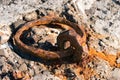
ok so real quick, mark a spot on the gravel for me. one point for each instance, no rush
(102, 16)
(18, 8)
(46, 75)
(31, 16)
(103, 69)
(5, 33)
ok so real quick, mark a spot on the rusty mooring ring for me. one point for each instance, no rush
(49, 54)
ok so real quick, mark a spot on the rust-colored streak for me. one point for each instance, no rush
(79, 35)
(110, 58)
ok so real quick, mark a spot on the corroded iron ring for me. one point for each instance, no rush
(44, 53)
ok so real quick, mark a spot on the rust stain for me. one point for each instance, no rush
(110, 58)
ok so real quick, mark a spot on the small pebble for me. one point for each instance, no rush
(23, 67)
(18, 23)
(18, 75)
(6, 67)
(31, 71)
(2, 53)
(36, 68)
(46, 75)
(32, 63)
(30, 16)
(5, 33)
(20, 61)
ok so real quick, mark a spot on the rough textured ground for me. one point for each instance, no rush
(101, 16)
(104, 19)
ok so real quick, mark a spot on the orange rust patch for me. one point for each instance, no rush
(85, 72)
(110, 58)
(88, 73)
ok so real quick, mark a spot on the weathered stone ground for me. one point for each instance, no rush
(102, 17)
